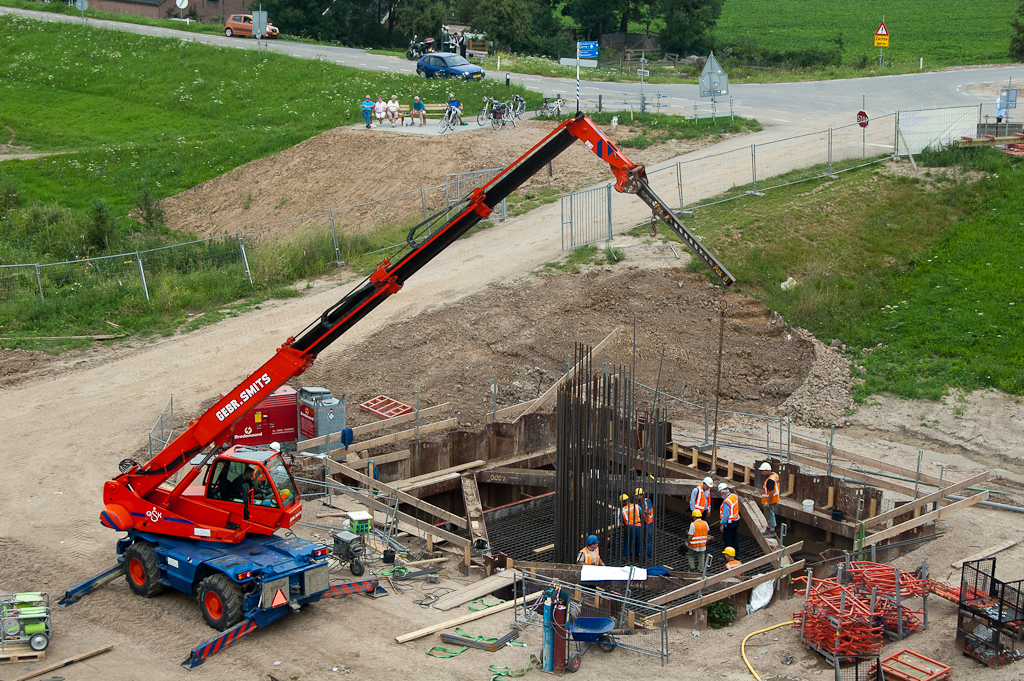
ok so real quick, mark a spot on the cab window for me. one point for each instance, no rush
(230, 480)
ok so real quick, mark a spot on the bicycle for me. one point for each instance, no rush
(518, 107)
(485, 113)
(552, 108)
(449, 121)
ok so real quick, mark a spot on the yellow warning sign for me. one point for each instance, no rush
(882, 36)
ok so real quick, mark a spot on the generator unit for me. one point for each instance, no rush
(275, 419)
(320, 414)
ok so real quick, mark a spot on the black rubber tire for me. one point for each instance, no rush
(219, 589)
(572, 665)
(481, 118)
(142, 569)
(357, 568)
(38, 642)
(606, 643)
(497, 123)
(227, 32)
(519, 107)
(410, 55)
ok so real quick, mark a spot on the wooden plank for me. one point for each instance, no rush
(471, 592)
(756, 522)
(421, 525)
(700, 585)
(474, 508)
(402, 435)
(852, 474)
(518, 476)
(514, 409)
(523, 460)
(64, 663)
(734, 589)
(447, 624)
(990, 551)
(380, 460)
(924, 519)
(372, 427)
(427, 477)
(546, 397)
(929, 499)
(865, 460)
(437, 512)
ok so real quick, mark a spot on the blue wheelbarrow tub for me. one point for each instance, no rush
(590, 629)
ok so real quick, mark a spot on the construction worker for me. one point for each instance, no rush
(769, 494)
(589, 554)
(700, 497)
(647, 512)
(633, 520)
(729, 515)
(730, 558)
(697, 543)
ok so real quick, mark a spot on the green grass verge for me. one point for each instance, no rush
(925, 274)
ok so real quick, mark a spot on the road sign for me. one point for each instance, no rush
(1008, 97)
(862, 119)
(643, 72)
(588, 44)
(81, 5)
(882, 36)
(588, 54)
(587, 49)
(713, 81)
(182, 4)
(259, 23)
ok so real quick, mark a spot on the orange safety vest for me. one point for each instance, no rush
(631, 515)
(700, 535)
(733, 503)
(703, 500)
(732, 563)
(649, 512)
(773, 496)
(589, 557)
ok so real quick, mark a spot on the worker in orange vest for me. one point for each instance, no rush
(730, 515)
(697, 543)
(700, 497)
(632, 518)
(769, 494)
(730, 558)
(590, 554)
(647, 515)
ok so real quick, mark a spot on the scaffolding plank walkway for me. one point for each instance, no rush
(471, 592)
(923, 519)
(474, 508)
(434, 628)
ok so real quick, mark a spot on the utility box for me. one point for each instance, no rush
(320, 414)
(274, 419)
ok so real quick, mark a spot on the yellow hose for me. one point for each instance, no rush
(743, 652)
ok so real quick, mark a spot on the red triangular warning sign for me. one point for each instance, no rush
(882, 30)
(279, 599)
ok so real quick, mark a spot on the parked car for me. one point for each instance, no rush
(241, 24)
(447, 65)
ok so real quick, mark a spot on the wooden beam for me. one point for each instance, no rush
(523, 460)
(925, 500)
(514, 409)
(371, 427)
(421, 525)
(447, 624)
(64, 663)
(990, 551)
(435, 511)
(380, 460)
(517, 476)
(865, 460)
(703, 584)
(402, 435)
(474, 508)
(427, 477)
(756, 523)
(734, 589)
(471, 592)
(859, 476)
(924, 519)
(546, 397)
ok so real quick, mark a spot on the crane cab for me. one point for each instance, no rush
(253, 483)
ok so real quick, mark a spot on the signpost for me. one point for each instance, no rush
(81, 6)
(182, 4)
(586, 49)
(862, 119)
(882, 42)
(713, 82)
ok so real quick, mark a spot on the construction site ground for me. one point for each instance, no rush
(479, 311)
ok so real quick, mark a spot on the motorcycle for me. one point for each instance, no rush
(418, 49)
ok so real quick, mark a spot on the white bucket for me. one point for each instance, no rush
(808, 505)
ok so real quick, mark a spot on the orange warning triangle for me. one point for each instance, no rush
(279, 599)
(882, 30)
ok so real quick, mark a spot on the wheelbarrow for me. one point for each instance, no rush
(585, 632)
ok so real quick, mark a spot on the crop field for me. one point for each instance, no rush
(943, 32)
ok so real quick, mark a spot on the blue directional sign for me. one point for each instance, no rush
(587, 49)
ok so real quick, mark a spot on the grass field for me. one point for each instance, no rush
(926, 274)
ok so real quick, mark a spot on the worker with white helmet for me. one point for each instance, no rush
(729, 515)
(632, 518)
(700, 497)
(590, 554)
(769, 494)
(697, 543)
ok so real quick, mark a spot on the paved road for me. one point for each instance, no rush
(812, 104)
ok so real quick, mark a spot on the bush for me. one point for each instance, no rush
(99, 227)
(149, 209)
(720, 614)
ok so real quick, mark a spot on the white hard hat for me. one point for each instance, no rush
(765, 466)
(709, 482)
(276, 446)
(722, 487)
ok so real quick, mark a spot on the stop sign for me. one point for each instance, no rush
(862, 119)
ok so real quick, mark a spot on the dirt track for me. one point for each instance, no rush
(474, 313)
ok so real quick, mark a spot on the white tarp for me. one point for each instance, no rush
(760, 596)
(604, 573)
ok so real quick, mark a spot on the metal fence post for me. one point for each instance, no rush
(39, 282)
(831, 437)
(679, 183)
(608, 200)
(599, 103)
(830, 151)
(334, 235)
(562, 206)
(142, 274)
(245, 260)
(504, 210)
(896, 134)
(753, 167)
(423, 200)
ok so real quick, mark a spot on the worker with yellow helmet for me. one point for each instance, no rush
(697, 543)
(647, 515)
(632, 519)
(730, 558)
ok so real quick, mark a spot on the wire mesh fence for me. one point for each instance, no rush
(163, 428)
(20, 283)
(917, 130)
(790, 160)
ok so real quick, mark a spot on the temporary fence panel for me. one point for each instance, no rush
(458, 186)
(20, 283)
(854, 146)
(586, 217)
(163, 428)
(715, 178)
(917, 130)
(109, 275)
(790, 160)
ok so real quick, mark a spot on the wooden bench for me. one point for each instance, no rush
(431, 109)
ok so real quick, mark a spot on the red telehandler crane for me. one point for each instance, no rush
(216, 540)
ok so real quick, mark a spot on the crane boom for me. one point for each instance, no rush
(135, 497)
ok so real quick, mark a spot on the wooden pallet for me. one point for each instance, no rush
(20, 652)
(385, 407)
(906, 665)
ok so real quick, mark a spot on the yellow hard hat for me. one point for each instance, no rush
(639, 491)
(624, 497)
(696, 514)
(730, 551)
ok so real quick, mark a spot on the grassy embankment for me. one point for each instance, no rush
(926, 273)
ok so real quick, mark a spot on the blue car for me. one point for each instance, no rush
(447, 65)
